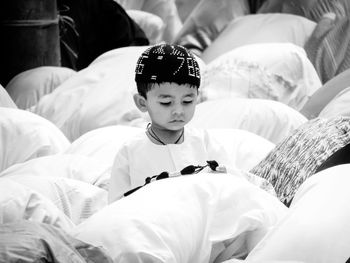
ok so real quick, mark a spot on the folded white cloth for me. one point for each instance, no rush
(5, 99)
(180, 220)
(316, 227)
(275, 71)
(29, 86)
(151, 24)
(76, 199)
(269, 119)
(97, 96)
(25, 135)
(165, 9)
(19, 202)
(260, 28)
(72, 166)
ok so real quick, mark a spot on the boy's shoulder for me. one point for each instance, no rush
(134, 141)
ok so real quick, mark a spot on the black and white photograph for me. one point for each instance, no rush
(175, 131)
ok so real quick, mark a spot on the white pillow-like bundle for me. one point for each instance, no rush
(18, 202)
(151, 24)
(102, 144)
(76, 199)
(165, 9)
(73, 166)
(316, 228)
(260, 28)
(97, 96)
(245, 149)
(181, 219)
(5, 99)
(338, 106)
(25, 136)
(269, 119)
(276, 71)
(29, 86)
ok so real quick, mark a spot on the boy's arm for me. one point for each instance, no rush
(119, 182)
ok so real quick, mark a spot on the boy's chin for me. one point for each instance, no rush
(176, 126)
(173, 127)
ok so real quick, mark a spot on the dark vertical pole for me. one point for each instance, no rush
(29, 36)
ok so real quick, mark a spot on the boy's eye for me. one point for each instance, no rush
(165, 103)
(187, 101)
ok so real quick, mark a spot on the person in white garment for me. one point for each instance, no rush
(167, 78)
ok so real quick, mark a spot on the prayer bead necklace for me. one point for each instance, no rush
(155, 136)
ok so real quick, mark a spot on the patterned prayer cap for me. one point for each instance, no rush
(167, 63)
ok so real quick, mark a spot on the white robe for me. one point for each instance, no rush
(139, 158)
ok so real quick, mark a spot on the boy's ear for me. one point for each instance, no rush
(140, 102)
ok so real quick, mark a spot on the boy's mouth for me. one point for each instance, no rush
(176, 121)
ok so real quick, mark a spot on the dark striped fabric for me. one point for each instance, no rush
(311, 9)
(341, 8)
(198, 40)
(299, 155)
(328, 48)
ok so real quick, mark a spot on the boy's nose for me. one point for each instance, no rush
(178, 110)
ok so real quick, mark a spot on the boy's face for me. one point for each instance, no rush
(171, 106)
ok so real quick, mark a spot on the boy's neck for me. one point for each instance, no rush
(164, 137)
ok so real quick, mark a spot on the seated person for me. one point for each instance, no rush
(89, 28)
(167, 78)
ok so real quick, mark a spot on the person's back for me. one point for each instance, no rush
(90, 28)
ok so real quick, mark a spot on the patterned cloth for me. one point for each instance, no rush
(341, 8)
(328, 48)
(300, 155)
(197, 41)
(311, 9)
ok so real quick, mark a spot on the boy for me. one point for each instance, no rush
(167, 78)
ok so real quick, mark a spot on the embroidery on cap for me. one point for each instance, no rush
(159, 50)
(190, 66)
(181, 64)
(140, 66)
